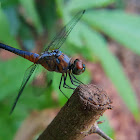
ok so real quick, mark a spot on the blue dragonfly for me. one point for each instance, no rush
(52, 59)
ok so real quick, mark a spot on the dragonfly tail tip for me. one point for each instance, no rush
(11, 111)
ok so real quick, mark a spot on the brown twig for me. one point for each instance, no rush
(79, 115)
(96, 129)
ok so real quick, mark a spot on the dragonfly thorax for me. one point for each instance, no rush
(55, 61)
(77, 67)
(50, 54)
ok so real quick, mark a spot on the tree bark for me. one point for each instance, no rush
(78, 115)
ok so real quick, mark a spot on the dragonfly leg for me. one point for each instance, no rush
(77, 79)
(65, 85)
(60, 86)
(73, 81)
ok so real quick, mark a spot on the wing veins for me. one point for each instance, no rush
(28, 73)
(61, 36)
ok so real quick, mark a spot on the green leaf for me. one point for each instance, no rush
(31, 13)
(13, 19)
(122, 27)
(8, 3)
(75, 36)
(112, 67)
(86, 4)
(9, 123)
(5, 35)
(12, 73)
(7, 126)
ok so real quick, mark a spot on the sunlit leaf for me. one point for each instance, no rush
(86, 4)
(122, 27)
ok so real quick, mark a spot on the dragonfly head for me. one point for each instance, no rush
(78, 67)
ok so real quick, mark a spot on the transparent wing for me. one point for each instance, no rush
(27, 76)
(60, 38)
(42, 83)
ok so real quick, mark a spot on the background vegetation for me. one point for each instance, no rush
(30, 25)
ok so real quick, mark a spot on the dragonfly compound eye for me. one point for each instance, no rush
(78, 67)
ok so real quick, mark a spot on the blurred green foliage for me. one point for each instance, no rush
(86, 38)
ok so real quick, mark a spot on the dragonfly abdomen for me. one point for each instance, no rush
(33, 57)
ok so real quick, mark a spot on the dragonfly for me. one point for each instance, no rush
(52, 59)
